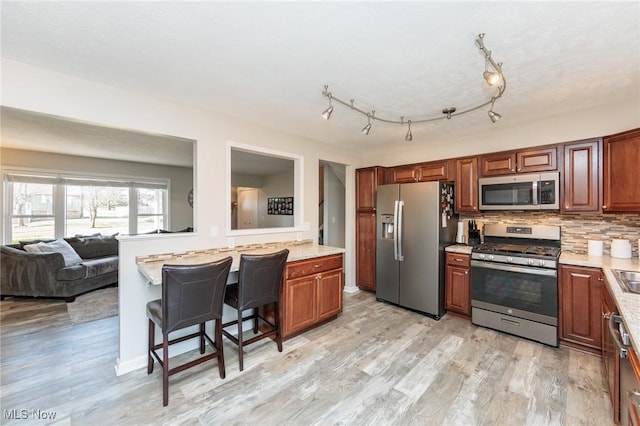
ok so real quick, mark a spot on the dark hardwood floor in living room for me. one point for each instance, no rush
(375, 364)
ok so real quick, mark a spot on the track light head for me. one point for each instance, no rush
(326, 114)
(366, 129)
(408, 137)
(494, 116)
(491, 77)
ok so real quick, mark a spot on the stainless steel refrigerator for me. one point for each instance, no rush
(415, 222)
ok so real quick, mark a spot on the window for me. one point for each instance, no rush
(151, 204)
(48, 207)
(32, 212)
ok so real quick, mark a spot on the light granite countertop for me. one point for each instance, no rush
(628, 303)
(151, 266)
(459, 248)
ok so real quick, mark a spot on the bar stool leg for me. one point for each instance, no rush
(240, 350)
(165, 370)
(152, 343)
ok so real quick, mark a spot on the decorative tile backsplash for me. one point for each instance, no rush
(576, 230)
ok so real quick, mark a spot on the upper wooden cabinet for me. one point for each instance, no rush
(466, 190)
(367, 181)
(506, 163)
(423, 172)
(622, 172)
(581, 182)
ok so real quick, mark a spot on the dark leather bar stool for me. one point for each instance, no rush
(191, 294)
(259, 284)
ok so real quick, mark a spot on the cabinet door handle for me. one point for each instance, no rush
(604, 206)
(606, 315)
(457, 259)
(466, 272)
(317, 266)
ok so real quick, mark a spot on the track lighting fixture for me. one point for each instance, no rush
(491, 76)
(448, 112)
(408, 136)
(326, 114)
(367, 128)
(494, 116)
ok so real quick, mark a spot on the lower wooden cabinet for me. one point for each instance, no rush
(312, 293)
(458, 284)
(580, 307)
(610, 358)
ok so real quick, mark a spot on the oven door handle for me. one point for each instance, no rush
(518, 269)
(616, 319)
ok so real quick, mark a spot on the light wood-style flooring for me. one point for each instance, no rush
(375, 365)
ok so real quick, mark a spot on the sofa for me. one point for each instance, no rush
(62, 268)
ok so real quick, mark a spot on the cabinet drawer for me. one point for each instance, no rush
(313, 266)
(457, 259)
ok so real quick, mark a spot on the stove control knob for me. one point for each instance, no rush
(541, 262)
(531, 261)
(481, 255)
(509, 259)
(490, 257)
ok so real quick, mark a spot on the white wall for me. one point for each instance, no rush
(36, 89)
(40, 90)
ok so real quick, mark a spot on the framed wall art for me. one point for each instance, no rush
(280, 205)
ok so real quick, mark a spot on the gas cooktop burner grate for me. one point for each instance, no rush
(517, 249)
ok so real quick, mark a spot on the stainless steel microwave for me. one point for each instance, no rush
(528, 191)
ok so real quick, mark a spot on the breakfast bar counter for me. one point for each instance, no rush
(312, 271)
(151, 266)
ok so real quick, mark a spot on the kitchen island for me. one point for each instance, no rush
(312, 272)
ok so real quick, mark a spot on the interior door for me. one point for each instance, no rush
(247, 208)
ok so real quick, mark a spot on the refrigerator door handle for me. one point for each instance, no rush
(400, 230)
(396, 208)
(535, 192)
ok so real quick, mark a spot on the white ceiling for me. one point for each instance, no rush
(267, 62)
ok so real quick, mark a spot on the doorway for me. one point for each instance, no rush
(331, 204)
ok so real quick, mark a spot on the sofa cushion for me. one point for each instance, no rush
(71, 273)
(99, 266)
(71, 257)
(91, 247)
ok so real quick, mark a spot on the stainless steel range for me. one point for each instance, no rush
(514, 281)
